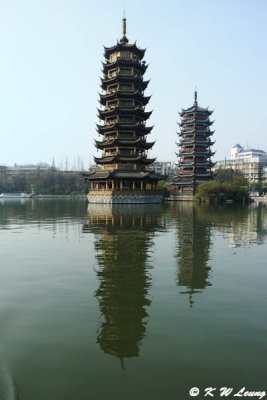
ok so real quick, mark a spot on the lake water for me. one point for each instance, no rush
(134, 302)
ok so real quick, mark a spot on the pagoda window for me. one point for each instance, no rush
(126, 87)
(202, 117)
(129, 118)
(125, 151)
(125, 166)
(126, 71)
(188, 117)
(126, 55)
(126, 134)
(126, 103)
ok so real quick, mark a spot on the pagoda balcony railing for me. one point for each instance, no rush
(188, 159)
(122, 88)
(126, 120)
(130, 123)
(128, 104)
(117, 166)
(131, 75)
(197, 132)
(120, 120)
(195, 117)
(119, 136)
(194, 129)
(186, 150)
(189, 151)
(195, 160)
(131, 105)
(125, 190)
(123, 153)
(121, 105)
(125, 56)
(193, 154)
(122, 55)
(130, 136)
(195, 140)
(121, 72)
(197, 151)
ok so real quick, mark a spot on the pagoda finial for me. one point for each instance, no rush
(123, 34)
(195, 103)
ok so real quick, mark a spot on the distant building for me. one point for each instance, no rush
(235, 150)
(166, 168)
(29, 169)
(238, 152)
(3, 170)
(251, 162)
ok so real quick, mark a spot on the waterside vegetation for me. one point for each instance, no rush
(228, 186)
(51, 182)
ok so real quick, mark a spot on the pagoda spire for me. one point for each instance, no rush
(195, 95)
(123, 33)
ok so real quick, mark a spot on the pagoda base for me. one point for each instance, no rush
(116, 197)
(181, 196)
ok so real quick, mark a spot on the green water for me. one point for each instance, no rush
(137, 302)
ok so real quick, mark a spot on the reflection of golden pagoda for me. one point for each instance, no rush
(123, 238)
(192, 250)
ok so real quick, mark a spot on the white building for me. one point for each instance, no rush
(238, 152)
(251, 162)
(163, 167)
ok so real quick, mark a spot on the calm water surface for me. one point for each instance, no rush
(134, 302)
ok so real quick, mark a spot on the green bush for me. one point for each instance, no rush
(165, 188)
(221, 192)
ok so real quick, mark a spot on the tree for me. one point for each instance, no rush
(229, 175)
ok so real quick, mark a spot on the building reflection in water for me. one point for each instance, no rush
(193, 249)
(242, 226)
(123, 243)
(250, 228)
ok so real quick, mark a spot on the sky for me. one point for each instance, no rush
(51, 54)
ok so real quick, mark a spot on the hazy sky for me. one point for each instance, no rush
(51, 53)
